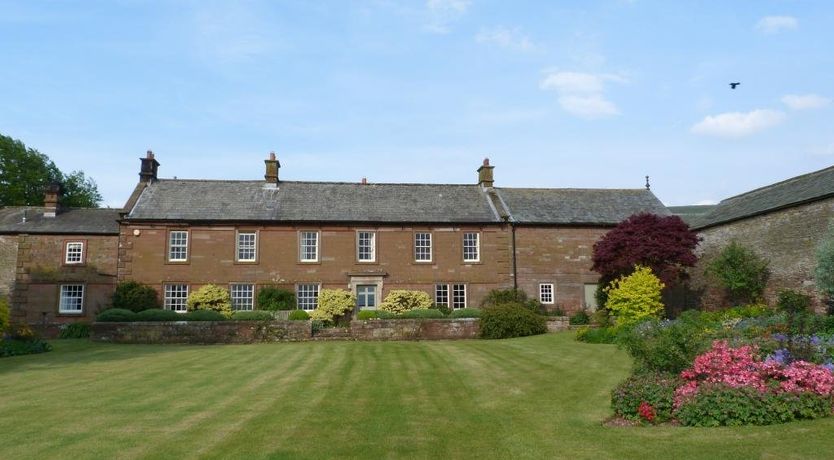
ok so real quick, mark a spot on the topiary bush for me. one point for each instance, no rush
(507, 296)
(510, 320)
(74, 331)
(367, 314)
(466, 313)
(656, 389)
(204, 315)
(401, 300)
(254, 315)
(5, 315)
(130, 295)
(636, 297)
(422, 314)
(273, 298)
(210, 297)
(299, 315)
(741, 272)
(116, 315)
(158, 314)
(333, 304)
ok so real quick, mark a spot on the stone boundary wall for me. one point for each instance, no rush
(558, 323)
(416, 329)
(201, 332)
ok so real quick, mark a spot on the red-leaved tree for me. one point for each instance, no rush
(663, 243)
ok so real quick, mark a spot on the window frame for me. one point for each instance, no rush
(437, 288)
(170, 246)
(430, 248)
(301, 246)
(251, 299)
(552, 293)
(477, 258)
(254, 248)
(82, 256)
(375, 296)
(359, 258)
(165, 299)
(61, 304)
(452, 301)
(298, 296)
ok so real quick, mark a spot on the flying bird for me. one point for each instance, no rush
(733, 85)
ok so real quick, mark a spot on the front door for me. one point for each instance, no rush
(366, 296)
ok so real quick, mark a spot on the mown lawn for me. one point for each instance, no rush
(538, 397)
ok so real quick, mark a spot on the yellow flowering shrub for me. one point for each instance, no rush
(635, 297)
(401, 300)
(210, 297)
(333, 303)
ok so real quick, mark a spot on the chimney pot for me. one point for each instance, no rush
(149, 168)
(486, 161)
(272, 167)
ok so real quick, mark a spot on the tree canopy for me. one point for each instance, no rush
(25, 172)
(665, 244)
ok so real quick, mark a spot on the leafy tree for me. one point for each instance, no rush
(665, 244)
(635, 297)
(25, 172)
(824, 272)
(741, 272)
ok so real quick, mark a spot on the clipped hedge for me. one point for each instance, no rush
(510, 320)
(466, 313)
(299, 315)
(205, 315)
(422, 314)
(116, 315)
(254, 315)
(158, 314)
(367, 314)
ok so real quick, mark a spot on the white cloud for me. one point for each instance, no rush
(505, 38)
(583, 94)
(805, 101)
(738, 124)
(706, 202)
(776, 24)
(443, 12)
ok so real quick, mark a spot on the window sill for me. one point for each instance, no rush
(177, 262)
(246, 262)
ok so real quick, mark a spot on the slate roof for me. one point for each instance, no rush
(794, 191)
(69, 221)
(691, 214)
(196, 200)
(578, 206)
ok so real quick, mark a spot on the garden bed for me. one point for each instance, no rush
(200, 332)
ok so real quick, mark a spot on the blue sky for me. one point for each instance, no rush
(556, 94)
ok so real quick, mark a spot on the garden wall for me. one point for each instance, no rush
(558, 323)
(201, 332)
(416, 329)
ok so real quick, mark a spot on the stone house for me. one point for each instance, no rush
(454, 241)
(57, 265)
(783, 222)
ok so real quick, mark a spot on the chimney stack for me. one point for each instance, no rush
(149, 167)
(364, 181)
(50, 199)
(485, 174)
(272, 167)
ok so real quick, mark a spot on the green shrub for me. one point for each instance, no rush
(204, 315)
(666, 346)
(506, 296)
(5, 315)
(212, 298)
(273, 298)
(580, 319)
(316, 325)
(158, 314)
(636, 297)
(596, 334)
(510, 320)
(74, 331)
(253, 315)
(443, 309)
(793, 302)
(741, 272)
(299, 315)
(466, 313)
(824, 272)
(381, 314)
(116, 315)
(333, 304)
(717, 405)
(601, 317)
(657, 389)
(130, 295)
(367, 314)
(422, 314)
(16, 347)
(401, 300)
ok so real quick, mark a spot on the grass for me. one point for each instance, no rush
(537, 397)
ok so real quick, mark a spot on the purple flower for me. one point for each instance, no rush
(779, 337)
(781, 356)
(829, 366)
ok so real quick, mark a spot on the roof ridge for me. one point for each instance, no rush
(425, 184)
(578, 188)
(782, 182)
